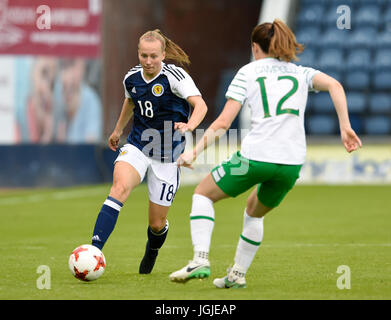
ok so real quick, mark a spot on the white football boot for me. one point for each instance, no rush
(194, 270)
(234, 279)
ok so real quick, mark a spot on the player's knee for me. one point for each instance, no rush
(157, 224)
(255, 208)
(199, 190)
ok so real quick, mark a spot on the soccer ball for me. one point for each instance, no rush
(87, 262)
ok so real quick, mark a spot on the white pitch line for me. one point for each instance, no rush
(328, 245)
(58, 195)
(297, 245)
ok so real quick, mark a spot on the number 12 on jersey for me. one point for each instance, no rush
(280, 110)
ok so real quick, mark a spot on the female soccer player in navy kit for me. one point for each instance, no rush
(158, 96)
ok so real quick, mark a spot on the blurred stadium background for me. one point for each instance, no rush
(61, 75)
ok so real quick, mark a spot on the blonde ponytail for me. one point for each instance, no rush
(174, 52)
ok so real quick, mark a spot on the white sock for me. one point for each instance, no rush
(249, 241)
(201, 224)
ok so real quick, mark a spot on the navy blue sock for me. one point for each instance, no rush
(156, 239)
(106, 221)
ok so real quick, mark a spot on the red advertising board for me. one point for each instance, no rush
(56, 27)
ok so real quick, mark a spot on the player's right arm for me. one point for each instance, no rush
(123, 120)
(323, 82)
(218, 128)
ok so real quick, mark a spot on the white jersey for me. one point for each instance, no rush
(276, 93)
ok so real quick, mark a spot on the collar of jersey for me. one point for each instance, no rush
(149, 81)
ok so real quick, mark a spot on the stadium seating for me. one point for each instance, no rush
(359, 57)
(308, 37)
(331, 59)
(334, 38)
(322, 124)
(308, 58)
(368, 15)
(310, 14)
(382, 80)
(363, 37)
(380, 103)
(356, 102)
(383, 39)
(357, 80)
(322, 103)
(382, 59)
(377, 125)
(356, 122)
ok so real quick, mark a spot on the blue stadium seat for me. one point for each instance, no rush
(362, 38)
(308, 36)
(371, 2)
(310, 101)
(334, 38)
(367, 15)
(307, 58)
(331, 59)
(356, 123)
(382, 80)
(387, 16)
(356, 101)
(309, 15)
(357, 80)
(322, 124)
(383, 39)
(360, 58)
(337, 3)
(378, 125)
(380, 103)
(321, 102)
(382, 60)
(305, 3)
(335, 74)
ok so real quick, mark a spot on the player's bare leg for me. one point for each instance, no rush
(125, 179)
(255, 208)
(208, 188)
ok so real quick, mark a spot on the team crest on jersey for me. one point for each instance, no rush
(123, 152)
(157, 90)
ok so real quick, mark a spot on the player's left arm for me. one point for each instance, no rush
(198, 114)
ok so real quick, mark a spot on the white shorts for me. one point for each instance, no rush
(162, 178)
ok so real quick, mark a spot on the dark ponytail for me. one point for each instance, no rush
(277, 40)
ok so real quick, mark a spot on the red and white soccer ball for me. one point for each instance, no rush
(87, 262)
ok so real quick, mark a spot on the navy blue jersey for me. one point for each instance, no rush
(159, 103)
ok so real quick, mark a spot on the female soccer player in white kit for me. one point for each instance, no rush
(158, 96)
(271, 154)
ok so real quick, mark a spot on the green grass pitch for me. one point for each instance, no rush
(314, 231)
